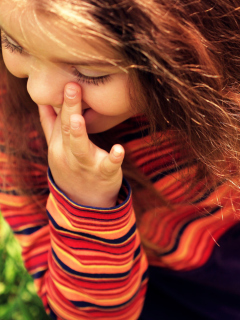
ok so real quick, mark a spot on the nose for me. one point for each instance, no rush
(45, 84)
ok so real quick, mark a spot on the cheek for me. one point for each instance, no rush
(111, 98)
(14, 64)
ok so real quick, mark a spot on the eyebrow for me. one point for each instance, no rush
(89, 62)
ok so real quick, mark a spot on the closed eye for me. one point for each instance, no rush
(10, 46)
(91, 80)
(80, 77)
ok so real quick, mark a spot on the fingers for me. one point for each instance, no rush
(79, 141)
(72, 105)
(87, 153)
(113, 161)
(75, 138)
(83, 149)
(47, 119)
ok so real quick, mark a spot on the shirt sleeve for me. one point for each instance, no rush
(87, 263)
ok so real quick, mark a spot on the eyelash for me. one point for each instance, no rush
(91, 80)
(80, 77)
(10, 46)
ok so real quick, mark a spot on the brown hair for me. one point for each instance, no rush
(183, 58)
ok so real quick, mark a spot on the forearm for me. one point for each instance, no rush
(86, 262)
(99, 251)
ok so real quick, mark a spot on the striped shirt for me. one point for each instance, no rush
(91, 262)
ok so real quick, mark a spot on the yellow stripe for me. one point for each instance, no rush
(118, 232)
(69, 260)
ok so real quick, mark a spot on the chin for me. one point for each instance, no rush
(100, 126)
(96, 122)
(96, 128)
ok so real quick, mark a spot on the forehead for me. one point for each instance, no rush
(45, 33)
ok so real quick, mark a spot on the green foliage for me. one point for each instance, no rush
(18, 299)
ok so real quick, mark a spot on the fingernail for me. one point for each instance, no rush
(74, 121)
(71, 92)
(117, 152)
(75, 125)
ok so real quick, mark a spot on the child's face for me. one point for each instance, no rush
(49, 67)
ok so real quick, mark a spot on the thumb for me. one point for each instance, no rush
(47, 119)
(112, 163)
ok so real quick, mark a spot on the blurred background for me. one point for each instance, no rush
(18, 299)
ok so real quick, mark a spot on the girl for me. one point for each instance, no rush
(136, 216)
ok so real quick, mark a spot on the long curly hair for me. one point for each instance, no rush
(183, 59)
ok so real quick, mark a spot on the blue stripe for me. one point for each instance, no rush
(84, 304)
(185, 226)
(38, 274)
(106, 211)
(135, 135)
(28, 231)
(92, 237)
(145, 275)
(88, 275)
(40, 191)
(105, 245)
(52, 315)
(208, 193)
(137, 252)
(168, 172)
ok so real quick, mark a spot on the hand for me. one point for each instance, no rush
(87, 174)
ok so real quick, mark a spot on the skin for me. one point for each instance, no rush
(71, 109)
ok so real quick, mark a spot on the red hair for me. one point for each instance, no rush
(183, 60)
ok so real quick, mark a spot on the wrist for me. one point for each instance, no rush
(100, 201)
(97, 195)
(122, 198)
